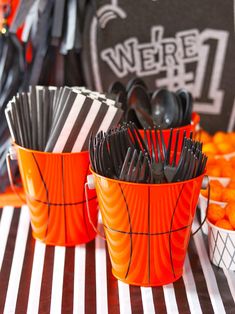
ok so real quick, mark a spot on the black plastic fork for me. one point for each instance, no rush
(170, 167)
(157, 151)
(135, 167)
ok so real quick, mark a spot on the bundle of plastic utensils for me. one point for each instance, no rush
(60, 119)
(123, 154)
(161, 108)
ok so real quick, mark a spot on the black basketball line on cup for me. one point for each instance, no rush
(47, 192)
(129, 219)
(170, 232)
(146, 233)
(64, 206)
(59, 204)
(149, 234)
(48, 203)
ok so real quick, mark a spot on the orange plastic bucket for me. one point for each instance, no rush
(147, 227)
(193, 127)
(54, 191)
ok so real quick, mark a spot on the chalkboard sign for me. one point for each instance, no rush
(169, 44)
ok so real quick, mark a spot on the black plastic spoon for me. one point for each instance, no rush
(187, 105)
(165, 110)
(138, 100)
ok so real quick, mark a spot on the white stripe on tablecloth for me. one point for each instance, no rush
(79, 279)
(110, 114)
(5, 224)
(147, 300)
(57, 281)
(190, 288)
(86, 127)
(124, 298)
(209, 275)
(101, 276)
(36, 277)
(230, 275)
(170, 300)
(17, 261)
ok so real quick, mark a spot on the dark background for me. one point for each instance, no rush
(174, 16)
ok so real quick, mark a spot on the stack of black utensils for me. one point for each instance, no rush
(122, 153)
(54, 119)
(160, 108)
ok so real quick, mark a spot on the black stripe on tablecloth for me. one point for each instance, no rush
(7, 259)
(68, 282)
(181, 296)
(159, 300)
(201, 287)
(90, 277)
(112, 287)
(90, 284)
(24, 286)
(136, 300)
(224, 290)
(46, 286)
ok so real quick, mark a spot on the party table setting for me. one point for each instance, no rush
(115, 209)
(114, 198)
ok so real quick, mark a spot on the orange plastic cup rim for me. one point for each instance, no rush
(144, 184)
(49, 153)
(194, 121)
(219, 229)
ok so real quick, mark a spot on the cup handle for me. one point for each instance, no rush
(88, 212)
(205, 185)
(9, 156)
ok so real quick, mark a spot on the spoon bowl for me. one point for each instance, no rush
(164, 108)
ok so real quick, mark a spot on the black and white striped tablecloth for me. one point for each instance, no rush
(35, 278)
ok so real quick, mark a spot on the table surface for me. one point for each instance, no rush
(35, 278)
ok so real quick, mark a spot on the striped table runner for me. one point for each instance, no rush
(35, 278)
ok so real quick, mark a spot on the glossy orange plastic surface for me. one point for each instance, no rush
(147, 227)
(54, 190)
(187, 128)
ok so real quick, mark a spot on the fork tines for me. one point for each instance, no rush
(135, 167)
(123, 154)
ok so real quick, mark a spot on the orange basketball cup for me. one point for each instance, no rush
(54, 191)
(147, 227)
(187, 129)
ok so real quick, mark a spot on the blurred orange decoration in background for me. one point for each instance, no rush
(222, 213)
(220, 149)
(9, 6)
(4, 6)
(223, 217)
(218, 144)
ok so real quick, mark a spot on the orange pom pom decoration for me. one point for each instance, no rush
(228, 195)
(231, 218)
(215, 212)
(224, 224)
